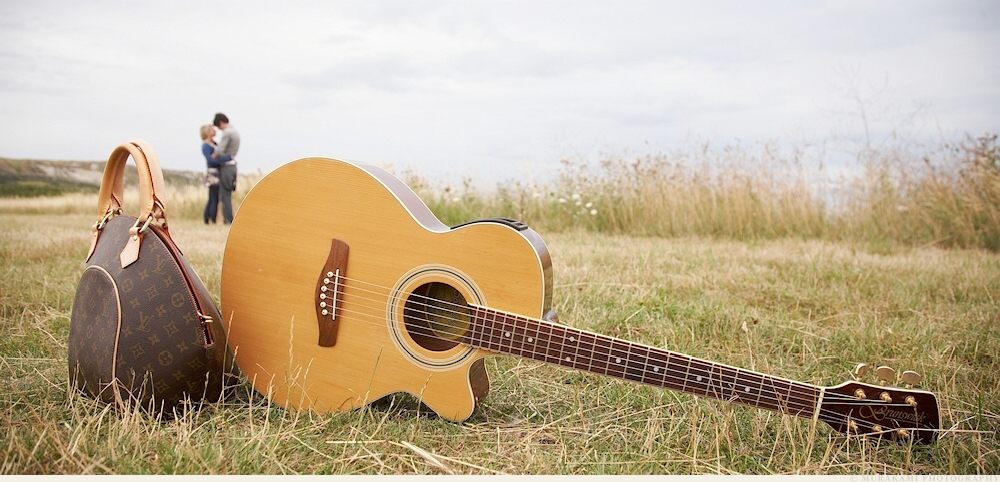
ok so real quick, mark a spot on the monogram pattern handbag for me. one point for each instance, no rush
(143, 330)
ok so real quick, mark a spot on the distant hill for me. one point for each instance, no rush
(32, 177)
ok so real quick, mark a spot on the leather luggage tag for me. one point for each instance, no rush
(131, 251)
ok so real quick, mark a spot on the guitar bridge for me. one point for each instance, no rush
(330, 291)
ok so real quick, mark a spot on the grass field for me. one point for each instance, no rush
(807, 309)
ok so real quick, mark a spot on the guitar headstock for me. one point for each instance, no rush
(900, 414)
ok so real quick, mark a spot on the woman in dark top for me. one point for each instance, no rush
(212, 175)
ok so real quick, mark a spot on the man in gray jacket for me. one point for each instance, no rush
(229, 144)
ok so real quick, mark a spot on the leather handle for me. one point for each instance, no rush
(151, 182)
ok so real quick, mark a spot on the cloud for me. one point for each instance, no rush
(471, 88)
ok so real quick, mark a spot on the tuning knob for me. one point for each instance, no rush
(885, 374)
(860, 370)
(910, 378)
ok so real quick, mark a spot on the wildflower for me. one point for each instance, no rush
(593, 212)
(589, 205)
(562, 200)
(575, 196)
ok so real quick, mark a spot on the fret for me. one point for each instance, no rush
(633, 363)
(733, 385)
(506, 333)
(588, 344)
(558, 337)
(711, 385)
(496, 332)
(545, 333)
(788, 399)
(600, 354)
(534, 341)
(687, 374)
(618, 358)
(647, 370)
(604, 358)
(714, 382)
(488, 337)
(519, 330)
(760, 389)
(741, 388)
(774, 396)
(658, 368)
(476, 329)
(575, 342)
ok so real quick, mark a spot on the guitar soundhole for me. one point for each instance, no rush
(436, 316)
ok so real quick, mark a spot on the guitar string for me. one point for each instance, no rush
(648, 374)
(804, 395)
(562, 345)
(781, 404)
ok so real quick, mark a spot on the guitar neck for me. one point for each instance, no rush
(548, 342)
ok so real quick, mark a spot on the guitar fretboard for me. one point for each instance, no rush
(570, 347)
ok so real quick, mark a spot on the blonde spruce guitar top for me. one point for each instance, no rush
(339, 287)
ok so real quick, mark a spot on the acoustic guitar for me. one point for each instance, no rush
(339, 287)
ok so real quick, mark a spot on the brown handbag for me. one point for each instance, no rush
(143, 330)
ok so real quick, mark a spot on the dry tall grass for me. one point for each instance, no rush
(947, 196)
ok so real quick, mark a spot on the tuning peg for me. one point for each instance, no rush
(860, 370)
(885, 374)
(910, 378)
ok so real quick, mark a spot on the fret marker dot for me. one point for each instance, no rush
(568, 359)
(530, 339)
(618, 360)
(699, 379)
(507, 334)
(572, 339)
(656, 369)
(746, 389)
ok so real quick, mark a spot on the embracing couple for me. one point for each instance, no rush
(221, 159)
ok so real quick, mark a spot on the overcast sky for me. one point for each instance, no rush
(488, 90)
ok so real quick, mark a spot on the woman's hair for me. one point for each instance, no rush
(206, 131)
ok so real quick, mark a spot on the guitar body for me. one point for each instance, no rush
(398, 257)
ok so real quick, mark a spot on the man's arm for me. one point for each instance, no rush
(223, 145)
